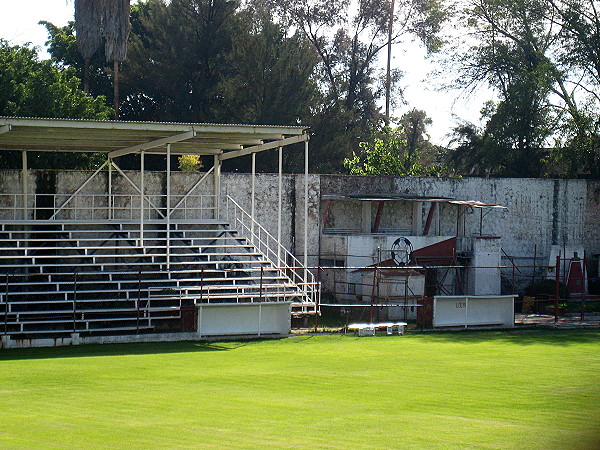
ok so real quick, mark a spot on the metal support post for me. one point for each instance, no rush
(252, 196)
(25, 182)
(556, 289)
(217, 185)
(168, 206)
(279, 203)
(110, 197)
(305, 212)
(141, 199)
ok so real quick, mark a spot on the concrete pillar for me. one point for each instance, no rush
(366, 217)
(484, 276)
(417, 219)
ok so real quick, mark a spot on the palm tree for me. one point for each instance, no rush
(88, 27)
(108, 19)
(116, 33)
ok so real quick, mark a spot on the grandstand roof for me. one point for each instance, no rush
(117, 138)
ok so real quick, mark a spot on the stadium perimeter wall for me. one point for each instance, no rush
(541, 212)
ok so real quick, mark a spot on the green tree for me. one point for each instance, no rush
(403, 151)
(98, 22)
(206, 61)
(349, 41)
(33, 88)
(541, 57)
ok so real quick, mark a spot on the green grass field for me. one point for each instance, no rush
(513, 389)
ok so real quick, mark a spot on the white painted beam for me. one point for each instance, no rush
(263, 147)
(153, 144)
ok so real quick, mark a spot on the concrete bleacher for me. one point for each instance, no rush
(103, 277)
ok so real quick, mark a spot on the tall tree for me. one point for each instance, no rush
(88, 25)
(116, 33)
(404, 151)
(542, 66)
(349, 41)
(33, 88)
(108, 19)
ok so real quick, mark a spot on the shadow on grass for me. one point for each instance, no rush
(90, 350)
(523, 336)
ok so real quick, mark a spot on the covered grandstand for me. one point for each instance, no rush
(111, 257)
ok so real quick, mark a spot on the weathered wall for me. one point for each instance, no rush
(540, 212)
(591, 226)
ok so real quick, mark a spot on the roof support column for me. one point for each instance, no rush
(216, 185)
(168, 206)
(279, 203)
(141, 199)
(252, 196)
(417, 218)
(305, 211)
(110, 196)
(25, 183)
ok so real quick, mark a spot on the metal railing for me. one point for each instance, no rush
(105, 207)
(278, 255)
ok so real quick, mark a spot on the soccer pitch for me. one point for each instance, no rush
(510, 389)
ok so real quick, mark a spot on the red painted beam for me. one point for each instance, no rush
(429, 218)
(375, 228)
(326, 214)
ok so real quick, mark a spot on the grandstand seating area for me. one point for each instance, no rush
(113, 277)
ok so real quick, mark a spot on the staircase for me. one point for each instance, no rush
(102, 277)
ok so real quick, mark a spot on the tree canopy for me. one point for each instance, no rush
(33, 88)
(404, 151)
(318, 63)
(542, 59)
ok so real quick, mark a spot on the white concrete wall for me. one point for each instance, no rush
(464, 311)
(484, 277)
(256, 319)
(541, 212)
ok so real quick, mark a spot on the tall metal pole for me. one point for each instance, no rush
(388, 78)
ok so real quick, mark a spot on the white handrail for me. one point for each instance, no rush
(273, 250)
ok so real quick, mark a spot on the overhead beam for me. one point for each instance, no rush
(201, 151)
(153, 144)
(258, 131)
(263, 147)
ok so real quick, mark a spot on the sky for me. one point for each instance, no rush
(19, 24)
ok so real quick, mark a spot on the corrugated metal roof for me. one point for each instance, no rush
(75, 135)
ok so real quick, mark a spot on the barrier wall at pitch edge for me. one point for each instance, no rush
(465, 311)
(257, 319)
